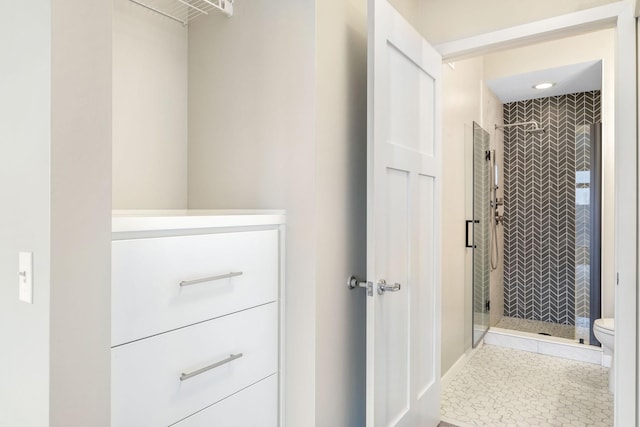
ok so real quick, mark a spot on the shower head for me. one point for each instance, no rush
(534, 129)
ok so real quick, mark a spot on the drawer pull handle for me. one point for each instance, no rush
(229, 359)
(210, 279)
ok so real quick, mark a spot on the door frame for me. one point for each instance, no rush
(621, 16)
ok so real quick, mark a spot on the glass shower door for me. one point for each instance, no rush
(481, 230)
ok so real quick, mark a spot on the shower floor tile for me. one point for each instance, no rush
(537, 326)
(506, 387)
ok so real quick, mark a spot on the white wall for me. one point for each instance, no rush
(80, 171)
(571, 50)
(149, 109)
(465, 99)
(410, 10)
(252, 144)
(25, 135)
(340, 209)
(55, 167)
(478, 17)
(461, 107)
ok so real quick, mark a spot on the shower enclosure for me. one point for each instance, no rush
(551, 216)
(550, 254)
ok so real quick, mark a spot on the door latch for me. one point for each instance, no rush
(353, 282)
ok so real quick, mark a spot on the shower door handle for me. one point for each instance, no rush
(466, 232)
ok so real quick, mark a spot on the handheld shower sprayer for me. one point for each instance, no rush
(494, 215)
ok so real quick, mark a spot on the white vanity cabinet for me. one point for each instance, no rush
(197, 322)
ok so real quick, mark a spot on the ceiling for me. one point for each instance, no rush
(582, 77)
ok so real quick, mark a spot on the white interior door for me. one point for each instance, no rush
(403, 223)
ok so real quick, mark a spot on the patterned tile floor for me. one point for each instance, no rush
(506, 387)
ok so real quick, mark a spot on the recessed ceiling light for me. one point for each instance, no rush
(544, 85)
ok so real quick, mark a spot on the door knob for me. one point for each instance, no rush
(384, 287)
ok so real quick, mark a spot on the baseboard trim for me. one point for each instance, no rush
(458, 366)
(454, 423)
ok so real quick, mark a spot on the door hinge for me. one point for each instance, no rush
(617, 278)
(487, 305)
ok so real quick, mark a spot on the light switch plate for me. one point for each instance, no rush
(25, 277)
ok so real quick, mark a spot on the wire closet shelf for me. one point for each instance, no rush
(184, 11)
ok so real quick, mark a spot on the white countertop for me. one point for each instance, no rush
(124, 221)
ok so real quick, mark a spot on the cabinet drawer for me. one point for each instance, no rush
(146, 385)
(147, 297)
(256, 406)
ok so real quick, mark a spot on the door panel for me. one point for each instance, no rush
(394, 314)
(412, 126)
(403, 223)
(425, 323)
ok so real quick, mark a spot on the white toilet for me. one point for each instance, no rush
(604, 331)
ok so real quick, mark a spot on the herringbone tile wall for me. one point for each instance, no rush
(540, 219)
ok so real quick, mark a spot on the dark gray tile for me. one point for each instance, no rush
(545, 232)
